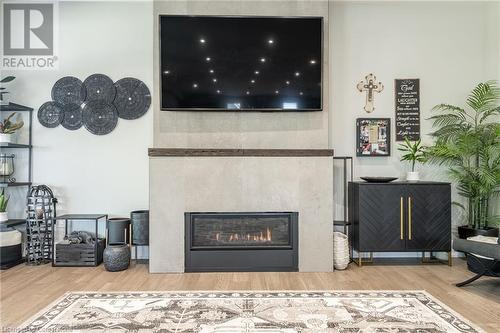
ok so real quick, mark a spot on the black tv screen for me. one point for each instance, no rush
(215, 63)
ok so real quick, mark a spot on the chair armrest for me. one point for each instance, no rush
(479, 248)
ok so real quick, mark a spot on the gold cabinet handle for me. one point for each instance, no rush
(409, 218)
(401, 218)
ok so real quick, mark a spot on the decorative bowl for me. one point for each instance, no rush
(379, 179)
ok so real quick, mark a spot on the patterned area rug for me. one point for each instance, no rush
(249, 312)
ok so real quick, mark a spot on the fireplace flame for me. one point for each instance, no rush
(262, 236)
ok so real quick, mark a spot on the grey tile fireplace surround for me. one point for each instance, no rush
(238, 180)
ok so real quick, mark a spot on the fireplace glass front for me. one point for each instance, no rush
(240, 231)
(265, 241)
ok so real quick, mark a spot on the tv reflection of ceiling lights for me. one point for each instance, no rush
(228, 63)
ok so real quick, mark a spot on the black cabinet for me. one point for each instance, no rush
(400, 216)
(429, 216)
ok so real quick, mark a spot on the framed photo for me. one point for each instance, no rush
(373, 137)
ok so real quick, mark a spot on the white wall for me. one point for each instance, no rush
(450, 46)
(89, 173)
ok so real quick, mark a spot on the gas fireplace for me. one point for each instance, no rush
(263, 241)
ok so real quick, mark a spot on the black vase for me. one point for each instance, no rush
(118, 230)
(140, 227)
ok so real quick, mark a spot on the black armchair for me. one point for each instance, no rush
(472, 249)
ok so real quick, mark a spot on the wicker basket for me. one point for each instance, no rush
(340, 251)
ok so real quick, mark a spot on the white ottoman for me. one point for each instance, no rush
(10, 245)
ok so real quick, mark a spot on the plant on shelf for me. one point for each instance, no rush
(4, 200)
(468, 142)
(414, 152)
(8, 126)
(2, 92)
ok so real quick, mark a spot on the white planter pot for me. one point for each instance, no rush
(412, 176)
(5, 138)
(3, 217)
(340, 250)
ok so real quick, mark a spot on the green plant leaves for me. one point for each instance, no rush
(7, 126)
(7, 79)
(415, 152)
(4, 201)
(483, 96)
(468, 141)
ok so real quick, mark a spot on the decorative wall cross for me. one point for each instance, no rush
(370, 86)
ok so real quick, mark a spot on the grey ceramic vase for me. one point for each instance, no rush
(116, 257)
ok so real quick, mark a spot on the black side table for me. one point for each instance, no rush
(78, 252)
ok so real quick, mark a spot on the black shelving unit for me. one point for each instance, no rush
(14, 184)
(344, 222)
(13, 145)
(13, 222)
(12, 107)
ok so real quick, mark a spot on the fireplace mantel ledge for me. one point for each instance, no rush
(188, 152)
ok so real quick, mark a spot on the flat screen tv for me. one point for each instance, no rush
(227, 63)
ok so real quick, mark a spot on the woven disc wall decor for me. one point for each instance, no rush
(132, 98)
(99, 117)
(100, 87)
(72, 119)
(96, 103)
(50, 114)
(68, 89)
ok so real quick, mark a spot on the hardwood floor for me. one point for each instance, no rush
(26, 290)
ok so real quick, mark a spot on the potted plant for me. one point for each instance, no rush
(4, 200)
(8, 127)
(468, 142)
(414, 152)
(5, 80)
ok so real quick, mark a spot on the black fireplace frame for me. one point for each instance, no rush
(242, 259)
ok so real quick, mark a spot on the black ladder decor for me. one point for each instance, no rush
(40, 210)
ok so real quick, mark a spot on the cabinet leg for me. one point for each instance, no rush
(433, 260)
(360, 262)
(360, 259)
(428, 260)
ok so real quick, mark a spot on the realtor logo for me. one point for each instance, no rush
(28, 35)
